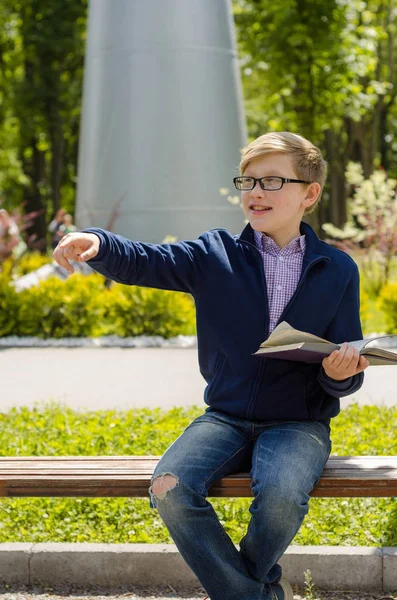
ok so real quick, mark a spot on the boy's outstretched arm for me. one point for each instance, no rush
(342, 372)
(166, 266)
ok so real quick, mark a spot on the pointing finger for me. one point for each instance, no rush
(59, 256)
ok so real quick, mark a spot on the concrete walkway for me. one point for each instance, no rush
(117, 378)
(164, 593)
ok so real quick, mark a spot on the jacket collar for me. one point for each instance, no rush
(314, 246)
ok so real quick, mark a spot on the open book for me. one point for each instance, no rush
(288, 343)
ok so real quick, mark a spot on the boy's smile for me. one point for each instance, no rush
(257, 208)
(278, 213)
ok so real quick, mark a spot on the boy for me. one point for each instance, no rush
(264, 415)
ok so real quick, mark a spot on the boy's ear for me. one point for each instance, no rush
(312, 194)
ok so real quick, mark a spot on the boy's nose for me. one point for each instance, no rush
(257, 190)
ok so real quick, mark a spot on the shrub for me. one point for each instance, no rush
(387, 303)
(9, 306)
(31, 261)
(56, 308)
(82, 306)
(132, 311)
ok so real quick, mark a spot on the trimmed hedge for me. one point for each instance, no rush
(82, 306)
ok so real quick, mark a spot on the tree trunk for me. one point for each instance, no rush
(337, 189)
(34, 168)
(34, 203)
(57, 154)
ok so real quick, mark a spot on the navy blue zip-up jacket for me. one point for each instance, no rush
(225, 275)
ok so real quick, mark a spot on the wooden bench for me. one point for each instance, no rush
(129, 476)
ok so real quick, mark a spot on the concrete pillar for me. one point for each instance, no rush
(162, 121)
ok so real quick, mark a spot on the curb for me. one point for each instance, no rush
(140, 341)
(119, 566)
(108, 341)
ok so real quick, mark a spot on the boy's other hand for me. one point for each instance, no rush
(76, 246)
(344, 363)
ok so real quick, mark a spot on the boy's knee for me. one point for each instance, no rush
(162, 484)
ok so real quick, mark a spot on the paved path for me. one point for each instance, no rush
(325, 595)
(106, 378)
(164, 594)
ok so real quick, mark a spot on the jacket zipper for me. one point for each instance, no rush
(264, 361)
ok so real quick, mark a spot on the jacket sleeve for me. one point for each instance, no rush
(345, 327)
(177, 267)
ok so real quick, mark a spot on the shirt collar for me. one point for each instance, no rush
(268, 245)
(315, 248)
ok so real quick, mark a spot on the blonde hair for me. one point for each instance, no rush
(307, 160)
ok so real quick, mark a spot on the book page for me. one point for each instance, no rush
(379, 360)
(361, 344)
(285, 334)
(381, 354)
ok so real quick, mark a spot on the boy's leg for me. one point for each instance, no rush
(211, 447)
(287, 462)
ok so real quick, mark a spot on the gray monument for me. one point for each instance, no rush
(162, 120)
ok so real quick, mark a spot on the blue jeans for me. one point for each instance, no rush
(285, 460)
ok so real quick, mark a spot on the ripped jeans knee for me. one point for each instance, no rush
(160, 486)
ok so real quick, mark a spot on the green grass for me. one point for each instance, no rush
(54, 430)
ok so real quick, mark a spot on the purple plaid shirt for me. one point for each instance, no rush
(282, 271)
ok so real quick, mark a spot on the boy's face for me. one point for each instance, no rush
(286, 206)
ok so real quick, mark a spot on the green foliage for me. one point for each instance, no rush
(132, 311)
(364, 307)
(374, 319)
(30, 261)
(9, 307)
(371, 225)
(290, 50)
(56, 308)
(82, 306)
(55, 430)
(310, 591)
(388, 305)
(317, 62)
(42, 55)
(325, 70)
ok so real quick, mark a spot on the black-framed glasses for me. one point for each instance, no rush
(267, 183)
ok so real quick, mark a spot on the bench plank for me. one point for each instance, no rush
(129, 476)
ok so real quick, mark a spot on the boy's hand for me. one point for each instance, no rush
(76, 246)
(344, 363)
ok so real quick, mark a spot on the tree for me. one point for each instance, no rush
(42, 55)
(324, 70)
